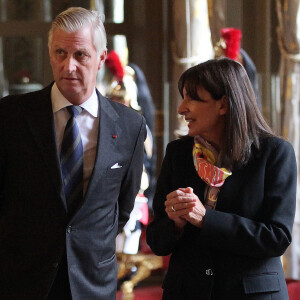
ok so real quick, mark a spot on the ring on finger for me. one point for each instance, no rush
(173, 209)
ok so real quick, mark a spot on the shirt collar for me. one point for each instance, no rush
(59, 101)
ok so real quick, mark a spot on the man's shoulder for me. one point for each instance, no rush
(12, 101)
(122, 110)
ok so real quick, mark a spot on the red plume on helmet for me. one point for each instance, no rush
(121, 84)
(114, 65)
(232, 38)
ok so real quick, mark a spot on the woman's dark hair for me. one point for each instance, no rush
(244, 124)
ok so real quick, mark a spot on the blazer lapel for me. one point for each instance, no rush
(37, 110)
(231, 188)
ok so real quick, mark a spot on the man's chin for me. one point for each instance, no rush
(69, 89)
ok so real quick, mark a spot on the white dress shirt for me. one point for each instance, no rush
(88, 124)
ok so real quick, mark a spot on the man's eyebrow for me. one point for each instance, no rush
(82, 50)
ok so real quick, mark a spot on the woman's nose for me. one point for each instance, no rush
(182, 107)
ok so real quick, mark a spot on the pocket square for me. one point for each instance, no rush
(116, 166)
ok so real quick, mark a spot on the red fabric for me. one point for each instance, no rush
(232, 38)
(166, 260)
(144, 248)
(145, 214)
(145, 293)
(143, 208)
(114, 65)
(293, 287)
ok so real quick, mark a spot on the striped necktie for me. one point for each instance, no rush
(71, 159)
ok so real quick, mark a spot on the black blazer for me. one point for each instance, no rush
(236, 255)
(34, 227)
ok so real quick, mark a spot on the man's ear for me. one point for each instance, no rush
(223, 105)
(102, 59)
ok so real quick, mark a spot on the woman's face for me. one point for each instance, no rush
(205, 117)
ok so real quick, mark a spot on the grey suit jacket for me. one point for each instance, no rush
(35, 229)
(236, 255)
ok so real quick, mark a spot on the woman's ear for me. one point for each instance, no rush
(223, 105)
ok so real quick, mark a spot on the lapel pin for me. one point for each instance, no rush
(114, 136)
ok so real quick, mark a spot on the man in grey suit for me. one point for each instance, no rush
(51, 248)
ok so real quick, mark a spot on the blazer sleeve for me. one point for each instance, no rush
(270, 234)
(131, 183)
(161, 236)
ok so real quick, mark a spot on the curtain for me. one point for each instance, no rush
(3, 18)
(191, 45)
(3, 81)
(288, 12)
(217, 11)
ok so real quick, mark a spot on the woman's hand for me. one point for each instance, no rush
(196, 216)
(184, 206)
(178, 205)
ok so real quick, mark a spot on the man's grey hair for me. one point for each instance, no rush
(75, 18)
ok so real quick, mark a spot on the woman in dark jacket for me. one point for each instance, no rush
(225, 199)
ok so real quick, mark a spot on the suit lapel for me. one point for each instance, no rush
(108, 134)
(37, 110)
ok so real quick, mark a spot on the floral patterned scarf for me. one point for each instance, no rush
(205, 159)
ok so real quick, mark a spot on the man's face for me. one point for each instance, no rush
(75, 63)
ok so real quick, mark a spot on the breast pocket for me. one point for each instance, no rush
(116, 169)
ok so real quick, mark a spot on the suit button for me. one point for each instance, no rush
(55, 265)
(69, 229)
(209, 272)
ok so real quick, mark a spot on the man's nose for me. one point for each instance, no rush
(70, 64)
